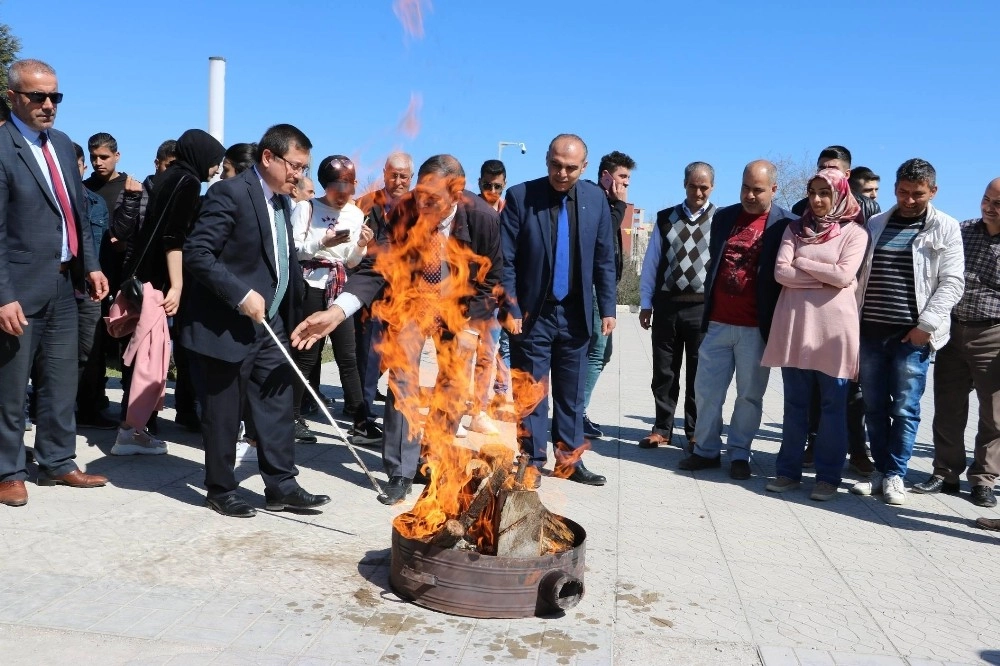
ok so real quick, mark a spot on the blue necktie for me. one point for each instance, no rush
(281, 256)
(560, 277)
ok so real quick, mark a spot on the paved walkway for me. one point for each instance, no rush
(681, 568)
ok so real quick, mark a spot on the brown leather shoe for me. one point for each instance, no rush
(653, 440)
(13, 493)
(75, 479)
(861, 465)
(988, 524)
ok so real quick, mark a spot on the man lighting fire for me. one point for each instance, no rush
(435, 275)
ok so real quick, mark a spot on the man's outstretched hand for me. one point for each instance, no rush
(317, 326)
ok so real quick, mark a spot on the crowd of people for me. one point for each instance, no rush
(850, 302)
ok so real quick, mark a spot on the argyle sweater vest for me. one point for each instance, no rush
(684, 254)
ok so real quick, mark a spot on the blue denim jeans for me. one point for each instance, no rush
(831, 437)
(727, 349)
(598, 355)
(893, 377)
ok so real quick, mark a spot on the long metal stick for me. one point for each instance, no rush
(322, 406)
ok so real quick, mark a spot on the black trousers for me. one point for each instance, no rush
(676, 336)
(343, 340)
(264, 380)
(90, 358)
(367, 331)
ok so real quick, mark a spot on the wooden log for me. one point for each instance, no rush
(454, 530)
(525, 528)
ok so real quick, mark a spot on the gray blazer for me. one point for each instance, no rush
(31, 225)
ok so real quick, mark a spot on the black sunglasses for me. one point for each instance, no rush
(39, 97)
(492, 186)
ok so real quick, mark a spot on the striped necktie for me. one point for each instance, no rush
(281, 255)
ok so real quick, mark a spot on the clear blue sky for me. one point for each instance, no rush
(665, 82)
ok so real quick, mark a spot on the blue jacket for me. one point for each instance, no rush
(97, 213)
(526, 234)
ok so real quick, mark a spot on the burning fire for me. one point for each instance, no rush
(409, 124)
(413, 311)
(411, 14)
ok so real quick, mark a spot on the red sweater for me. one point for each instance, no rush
(734, 296)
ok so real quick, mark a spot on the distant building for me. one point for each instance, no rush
(635, 235)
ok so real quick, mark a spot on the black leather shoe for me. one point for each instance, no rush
(583, 475)
(591, 429)
(97, 421)
(739, 470)
(937, 484)
(297, 500)
(396, 490)
(231, 506)
(188, 421)
(420, 478)
(695, 462)
(983, 496)
(303, 433)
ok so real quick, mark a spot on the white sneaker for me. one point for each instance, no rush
(482, 422)
(461, 432)
(870, 486)
(245, 452)
(132, 442)
(894, 490)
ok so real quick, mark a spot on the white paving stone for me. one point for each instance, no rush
(682, 568)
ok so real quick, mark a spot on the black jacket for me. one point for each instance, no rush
(869, 207)
(768, 288)
(476, 226)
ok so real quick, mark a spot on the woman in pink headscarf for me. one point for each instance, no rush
(815, 332)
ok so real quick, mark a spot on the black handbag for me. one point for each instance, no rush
(131, 288)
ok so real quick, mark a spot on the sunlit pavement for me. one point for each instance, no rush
(681, 568)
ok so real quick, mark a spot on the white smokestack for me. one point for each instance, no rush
(217, 97)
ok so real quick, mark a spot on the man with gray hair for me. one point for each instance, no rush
(672, 298)
(911, 279)
(46, 252)
(397, 175)
(740, 295)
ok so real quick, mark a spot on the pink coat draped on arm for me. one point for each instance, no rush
(147, 353)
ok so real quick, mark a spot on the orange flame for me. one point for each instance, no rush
(411, 14)
(413, 312)
(566, 459)
(409, 124)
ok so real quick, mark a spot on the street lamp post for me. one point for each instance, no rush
(503, 144)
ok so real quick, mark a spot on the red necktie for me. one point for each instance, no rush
(61, 196)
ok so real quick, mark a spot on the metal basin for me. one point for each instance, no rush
(471, 584)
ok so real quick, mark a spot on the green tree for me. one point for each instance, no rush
(9, 46)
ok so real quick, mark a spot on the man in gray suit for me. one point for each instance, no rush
(46, 251)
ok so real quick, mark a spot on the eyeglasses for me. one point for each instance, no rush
(40, 97)
(498, 187)
(294, 166)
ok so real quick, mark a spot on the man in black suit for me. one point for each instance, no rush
(240, 250)
(559, 251)
(46, 251)
(442, 246)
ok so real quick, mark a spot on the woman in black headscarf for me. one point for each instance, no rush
(171, 212)
(154, 256)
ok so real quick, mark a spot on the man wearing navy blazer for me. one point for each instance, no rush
(740, 296)
(241, 252)
(558, 246)
(46, 251)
